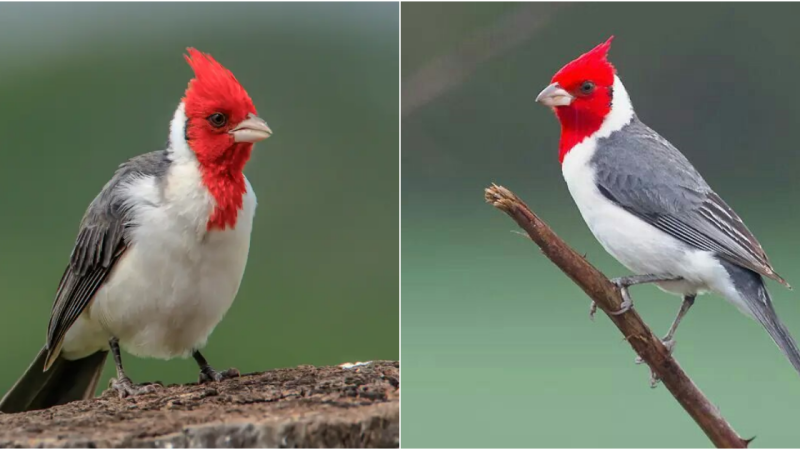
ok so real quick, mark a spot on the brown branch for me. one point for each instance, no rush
(600, 289)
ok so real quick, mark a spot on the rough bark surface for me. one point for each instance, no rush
(304, 406)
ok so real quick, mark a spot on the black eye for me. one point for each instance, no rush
(587, 87)
(218, 120)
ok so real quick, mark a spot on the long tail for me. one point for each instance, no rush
(64, 382)
(778, 331)
(755, 296)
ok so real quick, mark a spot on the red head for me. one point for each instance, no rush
(581, 94)
(221, 128)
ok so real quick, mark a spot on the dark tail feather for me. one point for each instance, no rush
(777, 330)
(64, 382)
(758, 303)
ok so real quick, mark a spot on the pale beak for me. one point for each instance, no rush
(252, 129)
(554, 96)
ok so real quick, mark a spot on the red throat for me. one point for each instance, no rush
(225, 182)
(215, 103)
(575, 128)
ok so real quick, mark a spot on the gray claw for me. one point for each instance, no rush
(627, 303)
(125, 387)
(654, 380)
(209, 375)
(626, 306)
(668, 343)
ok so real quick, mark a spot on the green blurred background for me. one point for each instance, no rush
(498, 349)
(83, 87)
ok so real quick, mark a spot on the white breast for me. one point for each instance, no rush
(639, 246)
(176, 280)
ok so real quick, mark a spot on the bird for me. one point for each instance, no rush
(160, 252)
(649, 207)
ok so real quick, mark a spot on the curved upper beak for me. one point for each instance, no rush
(252, 129)
(554, 95)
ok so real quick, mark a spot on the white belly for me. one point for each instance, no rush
(172, 286)
(639, 246)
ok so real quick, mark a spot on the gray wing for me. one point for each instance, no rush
(101, 241)
(643, 173)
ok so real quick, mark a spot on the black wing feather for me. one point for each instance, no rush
(101, 242)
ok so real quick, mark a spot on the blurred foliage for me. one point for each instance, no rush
(498, 350)
(86, 86)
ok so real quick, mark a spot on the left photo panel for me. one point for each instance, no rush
(200, 239)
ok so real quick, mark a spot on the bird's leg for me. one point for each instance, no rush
(207, 373)
(122, 384)
(669, 339)
(623, 283)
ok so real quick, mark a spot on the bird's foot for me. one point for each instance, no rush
(208, 374)
(125, 387)
(654, 379)
(626, 306)
(668, 343)
(622, 284)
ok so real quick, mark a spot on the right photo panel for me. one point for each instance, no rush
(599, 225)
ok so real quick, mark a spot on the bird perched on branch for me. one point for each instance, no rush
(649, 207)
(160, 252)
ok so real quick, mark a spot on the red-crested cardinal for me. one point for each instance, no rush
(160, 253)
(648, 206)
